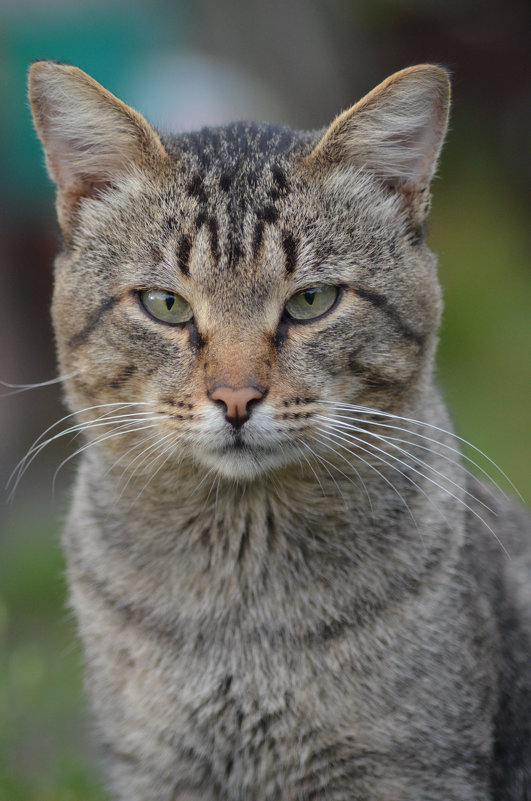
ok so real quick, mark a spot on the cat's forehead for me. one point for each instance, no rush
(242, 146)
(242, 164)
(228, 200)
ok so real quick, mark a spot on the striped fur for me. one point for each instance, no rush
(309, 602)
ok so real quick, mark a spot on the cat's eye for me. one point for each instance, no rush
(168, 307)
(312, 303)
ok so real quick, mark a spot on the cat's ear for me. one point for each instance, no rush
(89, 135)
(396, 132)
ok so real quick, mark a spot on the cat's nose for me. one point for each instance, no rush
(237, 402)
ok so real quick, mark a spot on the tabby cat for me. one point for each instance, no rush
(287, 584)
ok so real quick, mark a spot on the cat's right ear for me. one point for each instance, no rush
(89, 136)
(395, 132)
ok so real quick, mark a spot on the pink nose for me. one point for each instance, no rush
(236, 402)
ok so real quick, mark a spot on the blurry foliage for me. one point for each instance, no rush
(44, 753)
(479, 229)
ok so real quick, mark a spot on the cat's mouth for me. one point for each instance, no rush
(237, 443)
(240, 459)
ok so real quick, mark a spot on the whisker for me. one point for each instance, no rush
(124, 456)
(376, 412)
(373, 447)
(83, 411)
(326, 462)
(18, 388)
(308, 462)
(35, 450)
(40, 443)
(456, 451)
(210, 472)
(168, 450)
(146, 454)
(126, 428)
(388, 440)
(334, 439)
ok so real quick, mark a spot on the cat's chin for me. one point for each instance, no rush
(242, 464)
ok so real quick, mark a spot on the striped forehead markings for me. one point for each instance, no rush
(183, 254)
(290, 246)
(258, 236)
(196, 189)
(265, 215)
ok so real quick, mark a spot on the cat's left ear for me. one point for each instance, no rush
(90, 137)
(395, 132)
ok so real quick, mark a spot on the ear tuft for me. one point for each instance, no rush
(89, 135)
(396, 131)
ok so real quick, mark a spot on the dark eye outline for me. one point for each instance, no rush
(286, 316)
(140, 292)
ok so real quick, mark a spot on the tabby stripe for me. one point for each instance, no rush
(201, 219)
(280, 179)
(110, 750)
(214, 241)
(381, 302)
(269, 214)
(92, 322)
(122, 376)
(225, 181)
(244, 542)
(374, 378)
(289, 245)
(131, 615)
(235, 250)
(183, 254)
(257, 237)
(416, 235)
(271, 529)
(195, 189)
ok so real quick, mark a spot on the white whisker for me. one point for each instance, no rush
(17, 388)
(168, 450)
(308, 462)
(106, 419)
(417, 435)
(126, 428)
(389, 441)
(326, 462)
(335, 439)
(145, 455)
(376, 412)
(374, 448)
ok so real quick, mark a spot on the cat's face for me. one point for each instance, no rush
(234, 283)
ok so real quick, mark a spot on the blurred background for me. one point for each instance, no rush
(187, 64)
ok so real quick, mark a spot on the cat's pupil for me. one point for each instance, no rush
(169, 300)
(309, 296)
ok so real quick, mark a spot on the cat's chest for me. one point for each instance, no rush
(253, 712)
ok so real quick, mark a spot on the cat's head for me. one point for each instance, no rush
(235, 282)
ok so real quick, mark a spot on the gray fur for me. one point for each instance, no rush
(297, 608)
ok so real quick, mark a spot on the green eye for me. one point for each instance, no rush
(312, 303)
(166, 306)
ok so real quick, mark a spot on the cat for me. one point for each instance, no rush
(286, 583)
